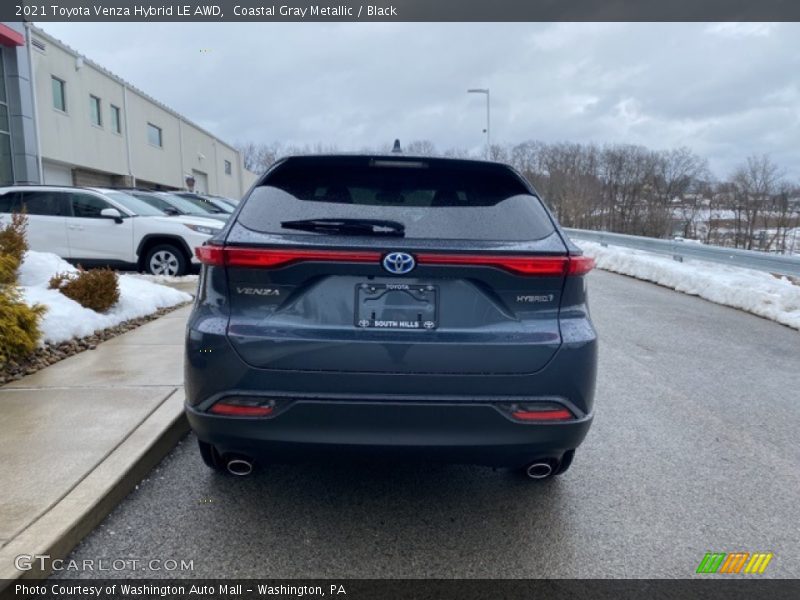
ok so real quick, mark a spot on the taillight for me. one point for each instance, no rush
(580, 265)
(523, 265)
(210, 255)
(266, 258)
(243, 407)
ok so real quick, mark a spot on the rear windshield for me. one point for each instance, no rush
(433, 200)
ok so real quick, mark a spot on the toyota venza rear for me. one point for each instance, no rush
(391, 306)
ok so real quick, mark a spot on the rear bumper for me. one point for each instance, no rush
(459, 432)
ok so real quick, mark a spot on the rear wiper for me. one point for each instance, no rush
(348, 226)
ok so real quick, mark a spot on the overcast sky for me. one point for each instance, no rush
(724, 90)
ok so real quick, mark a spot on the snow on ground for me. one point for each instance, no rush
(165, 278)
(754, 291)
(66, 318)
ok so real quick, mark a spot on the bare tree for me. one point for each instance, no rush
(498, 152)
(693, 213)
(780, 218)
(421, 148)
(676, 173)
(755, 182)
(259, 157)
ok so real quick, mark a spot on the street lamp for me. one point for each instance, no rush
(488, 120)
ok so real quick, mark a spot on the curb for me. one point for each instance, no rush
(59, 530)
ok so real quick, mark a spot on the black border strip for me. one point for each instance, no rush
(402, 10)
(739, 587)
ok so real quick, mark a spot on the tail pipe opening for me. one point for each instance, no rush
(241, 466)
(539, 470)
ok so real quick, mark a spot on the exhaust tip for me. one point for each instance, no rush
(539, 470)
(241, 467)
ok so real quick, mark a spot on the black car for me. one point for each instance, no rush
(389, 305)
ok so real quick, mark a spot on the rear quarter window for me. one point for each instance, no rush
(433, 199)
(9, 202)
(48, 203)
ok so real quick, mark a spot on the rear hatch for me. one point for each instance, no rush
(358, 264)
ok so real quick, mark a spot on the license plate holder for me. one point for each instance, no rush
(399, 307)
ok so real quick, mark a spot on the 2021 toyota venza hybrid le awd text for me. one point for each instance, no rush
(418, 307)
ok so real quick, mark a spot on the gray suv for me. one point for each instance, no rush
(389, 305)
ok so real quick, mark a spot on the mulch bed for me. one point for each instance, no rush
(52, 353)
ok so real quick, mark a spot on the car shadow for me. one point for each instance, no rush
(373, 518)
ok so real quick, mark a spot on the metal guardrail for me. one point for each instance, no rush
(680, 249)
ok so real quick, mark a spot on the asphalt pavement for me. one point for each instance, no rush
(693, 449)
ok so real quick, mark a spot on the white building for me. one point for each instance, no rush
(93, 128)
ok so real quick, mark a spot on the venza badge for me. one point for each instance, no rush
(399, 263)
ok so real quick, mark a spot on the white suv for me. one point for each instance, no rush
(97, 226)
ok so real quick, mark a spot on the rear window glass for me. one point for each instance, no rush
(433, 200)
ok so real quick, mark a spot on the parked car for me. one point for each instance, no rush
(213, 203)
(226, 200)
(171, 204)
(97, 226)
(418, 307)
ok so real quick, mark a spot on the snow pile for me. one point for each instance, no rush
(754, 291)
(166, 278)
(66, 319)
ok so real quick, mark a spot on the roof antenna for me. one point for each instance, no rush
(396, 148)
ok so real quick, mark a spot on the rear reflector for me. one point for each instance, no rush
(231, 410)
(561, 414)
(270, 258)
(243, 407)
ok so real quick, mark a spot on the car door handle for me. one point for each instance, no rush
(75, 227)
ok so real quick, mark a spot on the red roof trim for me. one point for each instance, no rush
(9, 37)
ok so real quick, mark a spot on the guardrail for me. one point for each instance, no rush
(680, 249)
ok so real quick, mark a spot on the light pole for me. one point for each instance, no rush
(488, 119)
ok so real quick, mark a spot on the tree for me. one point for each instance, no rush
(754, 184)
(421, 148)
(676, 174)
(257, 158)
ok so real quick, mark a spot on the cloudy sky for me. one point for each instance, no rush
(724, 90)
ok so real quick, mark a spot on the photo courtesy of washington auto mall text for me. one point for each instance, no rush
(198, 591)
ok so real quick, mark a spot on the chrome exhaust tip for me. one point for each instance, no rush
(241, 467)
(539, 470)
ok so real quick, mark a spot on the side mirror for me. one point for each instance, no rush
(111, 213)
(169, 210)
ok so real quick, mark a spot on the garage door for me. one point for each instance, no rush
(56, 174)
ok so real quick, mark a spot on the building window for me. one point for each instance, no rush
(95, 110)
(228, 167)
(6, 159)
(59, 94)
(116, 119)
(154, 135)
